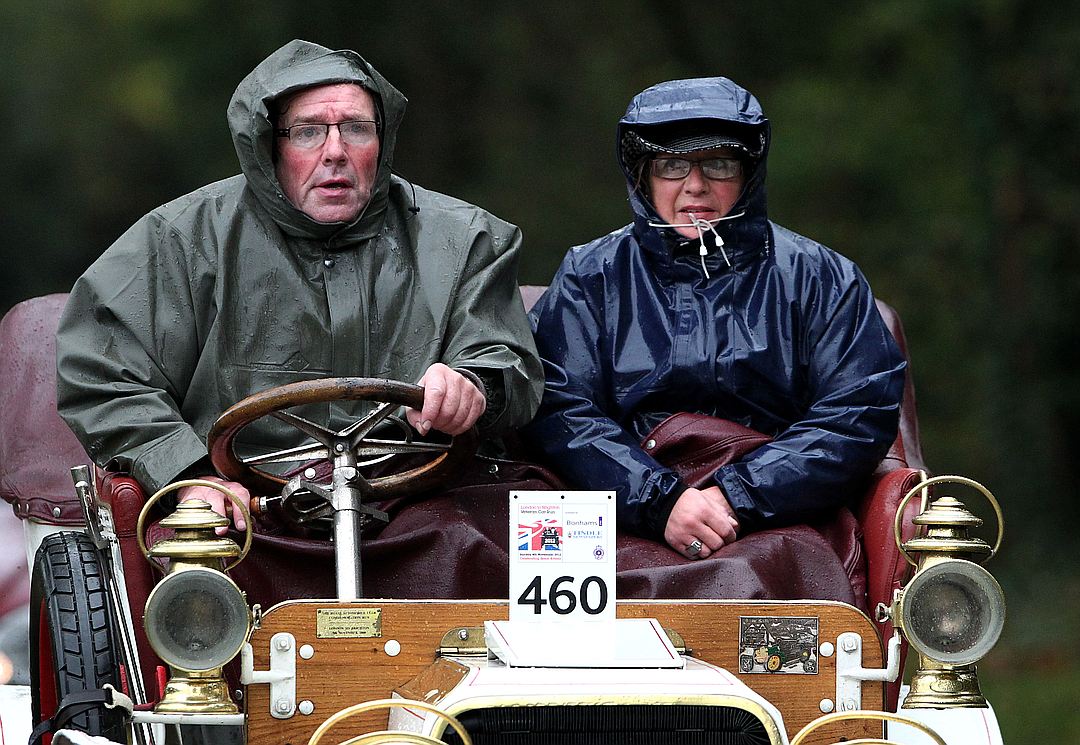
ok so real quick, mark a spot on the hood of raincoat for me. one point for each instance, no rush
(734, 111)
(293, 67)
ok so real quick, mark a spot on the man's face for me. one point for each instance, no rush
(677, 199)
(332, 182)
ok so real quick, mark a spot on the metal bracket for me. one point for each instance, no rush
(96, 514)
(281, 676)
(850, 673)
(102, 531)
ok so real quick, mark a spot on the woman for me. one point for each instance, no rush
(702, 306)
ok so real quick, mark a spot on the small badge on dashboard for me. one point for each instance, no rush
(768, 644)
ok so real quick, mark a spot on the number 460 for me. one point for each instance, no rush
(562, 599)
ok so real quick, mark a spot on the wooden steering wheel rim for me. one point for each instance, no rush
(239, 415)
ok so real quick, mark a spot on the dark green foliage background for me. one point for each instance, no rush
(936, 142)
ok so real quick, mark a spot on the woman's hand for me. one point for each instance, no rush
(702, 515)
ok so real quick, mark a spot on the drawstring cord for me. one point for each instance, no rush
(701, 226)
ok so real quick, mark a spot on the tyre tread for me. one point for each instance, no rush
(68, 580)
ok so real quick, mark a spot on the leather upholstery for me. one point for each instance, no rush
(695, 446)
(36, 447)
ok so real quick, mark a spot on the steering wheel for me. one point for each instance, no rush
(347, 448)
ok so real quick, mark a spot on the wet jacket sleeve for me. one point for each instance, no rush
(855, 379)
(488, 333)
(574, 428)
(126, 347)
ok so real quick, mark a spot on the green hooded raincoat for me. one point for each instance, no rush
(230, 290)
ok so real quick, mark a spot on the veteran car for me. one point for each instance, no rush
(137, 627)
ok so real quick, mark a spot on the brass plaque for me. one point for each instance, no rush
(348, 623)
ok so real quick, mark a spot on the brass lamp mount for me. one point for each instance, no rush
(196, 618)
(946, 523)
(953, 610)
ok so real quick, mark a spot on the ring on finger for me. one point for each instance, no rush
(694, 549)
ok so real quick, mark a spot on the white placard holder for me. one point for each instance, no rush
(618, 643)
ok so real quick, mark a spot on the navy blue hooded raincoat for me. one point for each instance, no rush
(785, 340)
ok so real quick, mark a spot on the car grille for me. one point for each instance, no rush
(643, 724)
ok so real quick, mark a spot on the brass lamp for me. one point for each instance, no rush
(953, 610)
(196, 618)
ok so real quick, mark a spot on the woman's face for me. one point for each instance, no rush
(678, 200)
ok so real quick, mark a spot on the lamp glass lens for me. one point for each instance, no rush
(196, 619)
(953, 612)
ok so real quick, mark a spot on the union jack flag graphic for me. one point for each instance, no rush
(540, 535)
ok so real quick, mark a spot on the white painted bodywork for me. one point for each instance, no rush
(491, 683)
(956, 726)
(15, 723)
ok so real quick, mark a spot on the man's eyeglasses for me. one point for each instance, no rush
(313, 134)
(714, 169)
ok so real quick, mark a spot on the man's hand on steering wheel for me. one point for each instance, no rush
(217, 500)
(701, 522)
(452, 403)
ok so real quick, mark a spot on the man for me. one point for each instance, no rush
(315, 262)
(702, 306)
